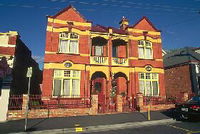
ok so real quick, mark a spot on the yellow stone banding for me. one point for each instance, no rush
(65, 29)
(10, 33)
(49, 52)
(141, 31)
(65, 22)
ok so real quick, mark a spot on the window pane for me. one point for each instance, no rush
(148, 76)
(141, 75)
(64, 35)
(63, 46)
(98, 50)
(154, 76)
(141, 42)
(73, 46)
(66, 73)
(66, 87)
(142, 87)
(148, 88)
(58, 73)
(75, 88)
(148, 53)
(155, 88)
(74, 36)
(148, 44)
(75, 73)
(141, 52)
(57, 87)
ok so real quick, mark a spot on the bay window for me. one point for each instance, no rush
(148, 84)
(66, 83)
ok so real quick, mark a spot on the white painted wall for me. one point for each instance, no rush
(4, 100)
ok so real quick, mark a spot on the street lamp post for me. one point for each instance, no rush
(28, 74)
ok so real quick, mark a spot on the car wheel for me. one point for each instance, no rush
(183, 116)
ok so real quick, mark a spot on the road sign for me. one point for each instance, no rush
(29, 72)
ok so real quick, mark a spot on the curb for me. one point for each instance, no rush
(101, 128)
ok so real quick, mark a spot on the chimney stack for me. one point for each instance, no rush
(124, 23)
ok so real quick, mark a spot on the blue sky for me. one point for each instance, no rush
(179, 20)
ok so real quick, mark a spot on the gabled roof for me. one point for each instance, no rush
(66, 9)
(148, 25)
(181, 56)
(100, 28)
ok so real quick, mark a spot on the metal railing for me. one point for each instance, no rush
(100, 59)
(119, 61)
(36, 102)
(15, 102)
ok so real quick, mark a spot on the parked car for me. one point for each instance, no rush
(188, 110)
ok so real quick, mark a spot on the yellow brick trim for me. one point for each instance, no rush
(10, 33)
(99, 35)
(75, 23)
(141, 31)
(48, 52)
(154, 70)
(51, 29)
(93, 69)
(85, 55)
(61, 66)
(121, 69)
(147, 38)
(120, 37)
(158, 59)
(133, 58)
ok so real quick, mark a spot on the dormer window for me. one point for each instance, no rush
(145, 50)
(68, 43)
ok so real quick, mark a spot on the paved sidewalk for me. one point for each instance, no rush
(82, 121)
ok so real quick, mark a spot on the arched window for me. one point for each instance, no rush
(68, 43)
(145, 50)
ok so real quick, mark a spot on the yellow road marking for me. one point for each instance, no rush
(187, 130)
(79, 129)
(194, 132)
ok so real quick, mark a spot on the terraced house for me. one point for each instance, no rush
(82, 59)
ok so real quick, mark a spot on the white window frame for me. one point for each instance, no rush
(65, 36)
(62, 75)
(143, 44)
(151, 80)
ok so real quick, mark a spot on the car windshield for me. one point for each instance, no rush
(195, 99)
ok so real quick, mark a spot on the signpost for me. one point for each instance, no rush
(28, 75)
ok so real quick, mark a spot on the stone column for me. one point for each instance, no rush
(139, 100)
(24, 103)
(94, 103)
(119, 103)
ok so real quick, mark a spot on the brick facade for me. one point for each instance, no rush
(116, 69)
(178, 81)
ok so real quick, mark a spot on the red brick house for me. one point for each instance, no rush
(182, 72)
(15, 58)
(82, 59)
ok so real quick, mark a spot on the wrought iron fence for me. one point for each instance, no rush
(128, 104)
(15, 102)
(36, 102)
(159, 100)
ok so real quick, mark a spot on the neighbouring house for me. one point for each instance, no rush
(15, 58)
(82, 59)
(182, 72)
